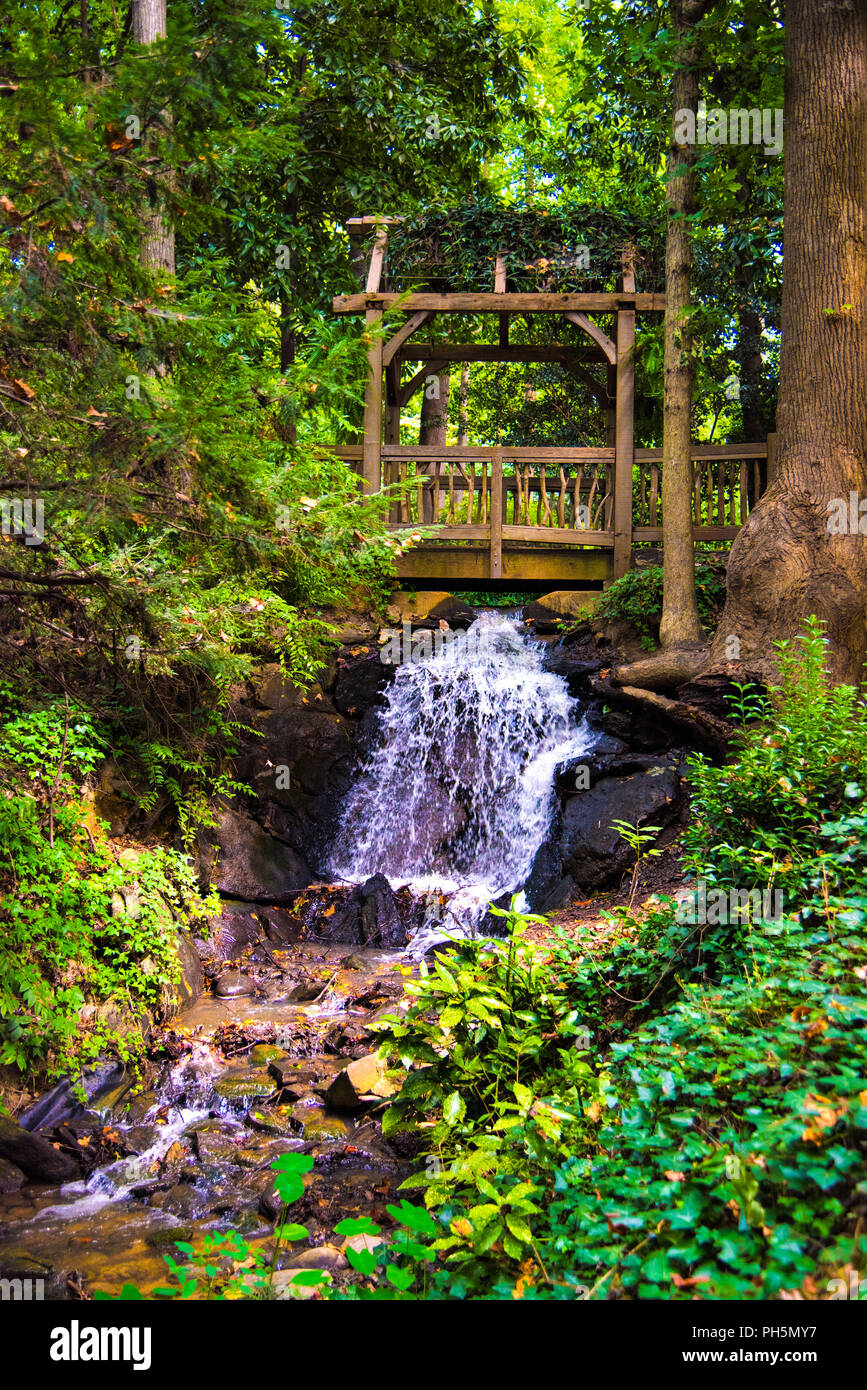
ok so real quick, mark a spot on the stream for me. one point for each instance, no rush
(451, 805)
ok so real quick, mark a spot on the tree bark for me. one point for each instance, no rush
(158, 237)
(463, 422)
(680, 624)
(788, 562)
(434, 430)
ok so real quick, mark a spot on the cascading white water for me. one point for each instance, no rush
(458, 796)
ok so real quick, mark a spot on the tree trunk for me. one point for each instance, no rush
(158, 238)
(790, 560)
(680, 625)
(463, 422)
(434, 428)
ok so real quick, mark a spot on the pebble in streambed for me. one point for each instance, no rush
(250, 1083)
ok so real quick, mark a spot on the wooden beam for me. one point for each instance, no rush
(624, 410)
(482, 303)
(411, 326)
(371, 470)
(490, 352)
(595, 332)
(496, 542)
(357, 226)
(377, 256)
(417, 382)
(548, 453)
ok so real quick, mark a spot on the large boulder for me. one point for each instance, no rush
(191, 983)
(34, 1155)
(241, 860)
(564, 603)
(370, 916)
(593, 853)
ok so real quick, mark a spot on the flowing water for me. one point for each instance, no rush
(454, 801)
(457, 796)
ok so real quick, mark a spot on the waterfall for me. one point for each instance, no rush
(457, 796)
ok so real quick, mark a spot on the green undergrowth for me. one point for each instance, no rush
(87, 940)
(637, 598)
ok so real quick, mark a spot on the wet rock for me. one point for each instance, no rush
(11, 1176)
(310, 743)
(191, 985)
(232, 983)
(455, 611)
(165, 1237)
(575, 668)
(139, 1138)
(284, 1288)
(362, 1081)
(317, 1126)
(60, 1104)
(240, 859)
(370, 916)
(183, 1200)
(34, 1155)
(279, 1119)
(265, 1053)
(593, 852)
(243, 1087)
(360, 684)
(352, 963)
(214, 1144)
(309, 989)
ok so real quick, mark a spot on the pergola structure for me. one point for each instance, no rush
(567, 525)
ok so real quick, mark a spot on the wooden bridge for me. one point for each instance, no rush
(560, 516)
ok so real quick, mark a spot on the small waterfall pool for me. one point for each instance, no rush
(457, 796)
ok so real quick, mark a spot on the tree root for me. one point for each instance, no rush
(699, 723)
(664, 670)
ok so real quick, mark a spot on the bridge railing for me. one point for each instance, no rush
(560, 495)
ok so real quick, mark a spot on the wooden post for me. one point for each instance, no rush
(500, 288)
(496, 537)
(623, 425)
(371, 466)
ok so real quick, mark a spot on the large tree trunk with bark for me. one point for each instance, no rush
(791, 559)
(680, 625)
(158, 238)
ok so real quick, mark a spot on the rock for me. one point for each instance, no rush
(231, 984)
(60, 1104)
(363, 1241)
(191, 985)
(564, 603)
(275, 691)
(215, 1144)
(415, 607)
(263, 1054)
(381, 923)
(360, 684)
(34, 1155)
(308, 742)
(319, 1257)
(455, 611)
(11, 1176)
(242, 860)
(284, 1288)
(183, 1200)
(592, 851)
(237, 927)
(352, 963)
(243, 1086)
(573, 666)
(317, 1126)
(360, 1082)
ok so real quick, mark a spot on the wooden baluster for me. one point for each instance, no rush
(484, 497)
(451, 511)
(545, 519)
(592, 493)
(696, 493)
(654, 494)
(561, 501)
(576, 498)
(731, 477)
(720, 495)
(742, 477)
(471, 487)
(642, 502)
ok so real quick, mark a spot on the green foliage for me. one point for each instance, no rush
(713, 1140)
(637, 598)
(756, 821)
(88, 944)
